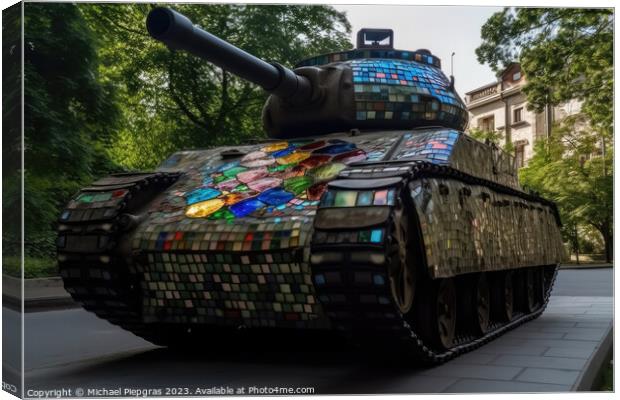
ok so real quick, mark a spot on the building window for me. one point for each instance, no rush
(487, 124)
(516, 76)
(517, 115)
(519, 156)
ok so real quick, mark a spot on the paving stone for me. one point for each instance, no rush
(540, 362)
(586, 334)
(498, 347)
(593, 324)
(568, 352)
(549, 323)
(545, 375)
(485, 386)
(523, 334)
(580, 344)
(474, 371)
(475, 357)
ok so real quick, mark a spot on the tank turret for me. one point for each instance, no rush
(371, 87)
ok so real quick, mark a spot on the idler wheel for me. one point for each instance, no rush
(503, 296)
(401, 270)
(436, 312)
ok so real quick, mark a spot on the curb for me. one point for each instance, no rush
(592, 370)
(12, 295)
(585, 266)
(39, 304)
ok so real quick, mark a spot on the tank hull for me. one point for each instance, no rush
(349, 233)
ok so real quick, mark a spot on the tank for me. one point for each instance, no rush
(368, 213)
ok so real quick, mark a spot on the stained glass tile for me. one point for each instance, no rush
(284, 152)
(204, 209)
(380, 198)
(365, 198)
(261, 162)
(275, 147)
(201, 194)
(351, 156)
(233, 198)
(246, 207)
(345, 198)
(326, 172)
(275, 196)
(298, 184)
(232, 172)
(252, 174)
(228, 185)
(293, 157)
(314, 161)
(335, 149)
(264, 184)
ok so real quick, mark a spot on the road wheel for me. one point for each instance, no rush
(502, 296)
(531, 301)
(482, 303)
(401, 270)
(436, 312)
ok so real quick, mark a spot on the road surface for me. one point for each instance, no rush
(75, 349)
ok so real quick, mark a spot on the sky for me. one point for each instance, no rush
(441, 29)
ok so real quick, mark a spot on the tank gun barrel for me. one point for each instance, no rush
(179, 33)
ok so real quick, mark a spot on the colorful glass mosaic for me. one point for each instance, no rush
(398, 90)
(418, 56)
(276, 175)
(432, 145)
(229, 241)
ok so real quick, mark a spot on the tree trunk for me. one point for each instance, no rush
(607, 233)
(577, 255)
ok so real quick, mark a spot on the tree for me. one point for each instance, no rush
(569, 169)
(69, 115)
(173, 100)
(565, 53)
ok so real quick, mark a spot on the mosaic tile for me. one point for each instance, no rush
(398, 90)
(371, 54)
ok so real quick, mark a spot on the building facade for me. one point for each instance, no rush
(501, 107)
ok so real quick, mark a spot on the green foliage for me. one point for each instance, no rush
(570, 169)
(566, 53)
(173, 100)
(35, 267)
(69, 115)
(101, 95)
(11, 130)
(491, 137)
(494, 137)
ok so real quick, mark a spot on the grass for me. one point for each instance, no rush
(35, 267)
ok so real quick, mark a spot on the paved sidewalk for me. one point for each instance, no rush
(562, 350)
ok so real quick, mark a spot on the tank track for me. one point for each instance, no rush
(91, 260)
(378, 322)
